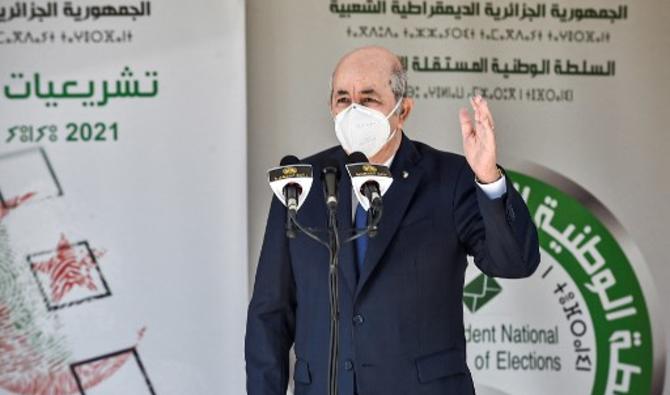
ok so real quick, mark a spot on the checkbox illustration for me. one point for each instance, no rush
(27, 172)
(69, 275)
(120, 372)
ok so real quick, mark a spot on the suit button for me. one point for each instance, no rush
(358, 319)
(348, 365)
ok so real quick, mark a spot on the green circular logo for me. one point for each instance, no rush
(586, 321)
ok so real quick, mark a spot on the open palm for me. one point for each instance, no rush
(479, 143)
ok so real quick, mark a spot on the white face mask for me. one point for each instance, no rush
(359, 128)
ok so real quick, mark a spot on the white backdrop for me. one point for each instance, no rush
(610, 138)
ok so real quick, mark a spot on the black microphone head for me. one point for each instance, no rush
(289, 160)
(357, 157)
(330, 176)
(330, 165)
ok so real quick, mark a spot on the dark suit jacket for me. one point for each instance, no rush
(401, 321)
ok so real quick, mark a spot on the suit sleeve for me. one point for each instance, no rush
(499, 233)
(271, 315)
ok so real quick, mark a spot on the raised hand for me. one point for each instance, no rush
(479, 142)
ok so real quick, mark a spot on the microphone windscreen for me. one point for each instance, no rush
(289, 160)
(357, 157)
(331, 165)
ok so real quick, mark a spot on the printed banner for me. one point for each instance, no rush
(123, 252)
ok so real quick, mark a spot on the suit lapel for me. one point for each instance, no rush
(406, 177)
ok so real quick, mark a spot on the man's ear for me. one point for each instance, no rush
(406, 108)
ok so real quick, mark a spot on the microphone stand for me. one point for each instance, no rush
(333, 245)
(333, 287)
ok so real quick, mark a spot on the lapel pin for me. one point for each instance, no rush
(405, 174)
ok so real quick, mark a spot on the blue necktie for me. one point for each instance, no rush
(361, 242)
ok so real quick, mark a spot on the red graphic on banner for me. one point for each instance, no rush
(35, 360)
(13, 203)
(93, 373)
(36, 355)
(27, 370)
(67, 271)
(57, 380)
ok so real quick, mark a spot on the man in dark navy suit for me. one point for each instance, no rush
(401, 309)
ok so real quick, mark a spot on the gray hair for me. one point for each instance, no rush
(398, 84)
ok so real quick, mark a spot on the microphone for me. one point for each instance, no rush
(330, 176)
(370, 182)
(291, 182)
(291, 190)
